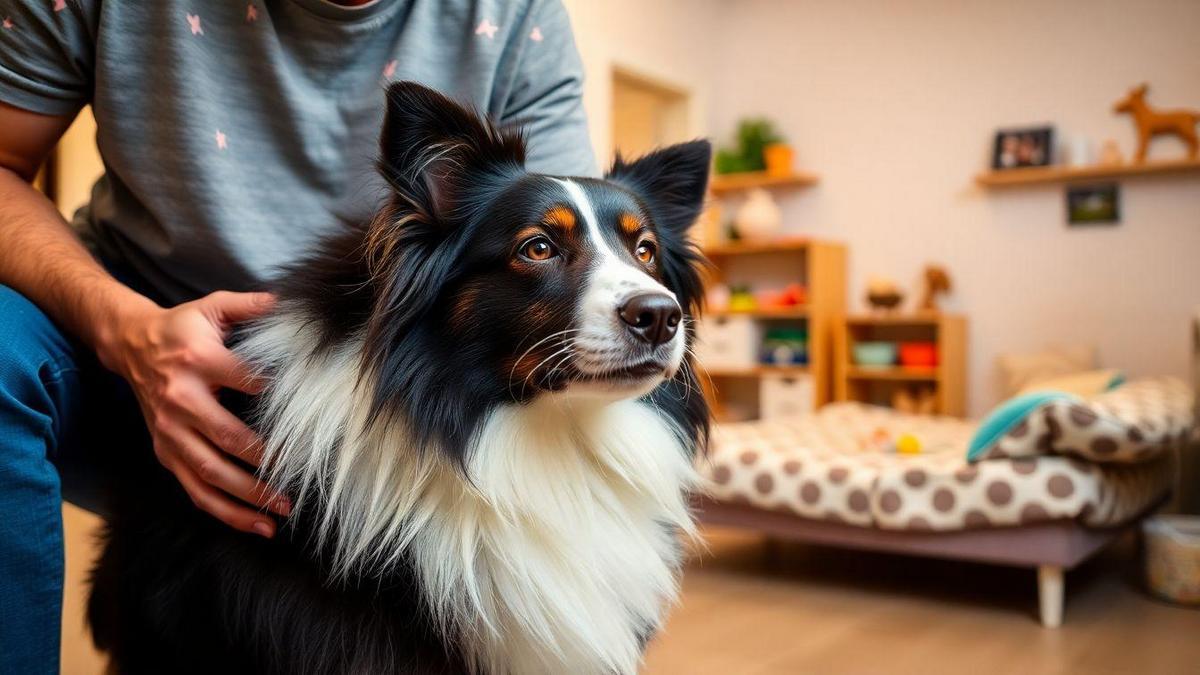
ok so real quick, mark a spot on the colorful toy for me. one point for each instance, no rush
(908, 444)
(785, 346)
(742, 300)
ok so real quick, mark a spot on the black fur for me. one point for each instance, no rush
(446, 313)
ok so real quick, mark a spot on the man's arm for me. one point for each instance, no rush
(175, 358)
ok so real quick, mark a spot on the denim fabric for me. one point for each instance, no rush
(58, 410)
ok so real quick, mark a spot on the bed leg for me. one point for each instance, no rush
(1050, 595)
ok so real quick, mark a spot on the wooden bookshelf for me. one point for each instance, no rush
(1036, 175)
(726, 183)
(798, 312)
(876, 384)
(757, 371)
(821, 267)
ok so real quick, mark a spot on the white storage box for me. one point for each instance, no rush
(786, 396)
(727, 342)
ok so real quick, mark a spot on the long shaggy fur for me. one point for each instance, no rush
(458, 504)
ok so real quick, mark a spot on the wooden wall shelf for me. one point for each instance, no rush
(1036, 175)
(749, 247)
(722, 184)
(757, 371)
(798, 312)
(901, 373)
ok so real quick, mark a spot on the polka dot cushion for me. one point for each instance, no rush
(1130, 424)
(832, 466)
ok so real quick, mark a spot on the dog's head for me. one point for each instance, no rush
(495, 285)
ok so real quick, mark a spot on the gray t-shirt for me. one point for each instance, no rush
(235, 133)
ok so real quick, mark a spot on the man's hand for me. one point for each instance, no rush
(176, 360)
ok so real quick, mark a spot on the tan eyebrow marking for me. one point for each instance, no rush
(629, 223)
(561, 217)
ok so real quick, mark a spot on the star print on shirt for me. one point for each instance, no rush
(60, 5)
(251, 13)
(536, 34)
(389, 70)
(487, 28)
(221, 144)
(194, 23)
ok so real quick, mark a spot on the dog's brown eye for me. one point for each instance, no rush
(646, 252)
(538, 249)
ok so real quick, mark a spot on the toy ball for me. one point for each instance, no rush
(907, 444)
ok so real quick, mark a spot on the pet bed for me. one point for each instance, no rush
(1050, 483)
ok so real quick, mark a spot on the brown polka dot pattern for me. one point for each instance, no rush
(975, 519)
(1104, 446)
(858, 501)
(810, 492)
(1060, 486)
(999, 493)
(1024, 465)
(943, 500)
(722, 474)
(890, 501)
(764, 483)
(1033, 513)
(825, 467)
(966, 475)
(919, 524)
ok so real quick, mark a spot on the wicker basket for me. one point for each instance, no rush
(1173, 557)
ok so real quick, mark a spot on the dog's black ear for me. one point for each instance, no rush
(433, 151)
(671, 180)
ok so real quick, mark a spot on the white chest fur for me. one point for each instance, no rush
(556, 556)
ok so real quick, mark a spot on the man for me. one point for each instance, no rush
(234, 134)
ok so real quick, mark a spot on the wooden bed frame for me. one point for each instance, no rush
(1051, 548)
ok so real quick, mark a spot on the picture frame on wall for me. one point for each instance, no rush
(1025, 147)
(1093, 204)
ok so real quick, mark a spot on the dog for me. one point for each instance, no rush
(484, 410)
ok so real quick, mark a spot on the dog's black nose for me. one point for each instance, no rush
(653, 317)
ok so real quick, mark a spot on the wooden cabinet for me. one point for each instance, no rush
(885, 384)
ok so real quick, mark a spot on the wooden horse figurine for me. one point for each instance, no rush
(1151, 122)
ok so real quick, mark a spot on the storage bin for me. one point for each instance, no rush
(727, 342)
(785, 396)
(1173, 557)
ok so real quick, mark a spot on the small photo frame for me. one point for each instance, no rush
(1093, 204)
(1016, 148)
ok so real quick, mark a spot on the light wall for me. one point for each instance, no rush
(669, 41)
(894, 105)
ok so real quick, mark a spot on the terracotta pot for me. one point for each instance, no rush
(778, 158)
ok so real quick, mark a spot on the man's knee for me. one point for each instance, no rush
(31, 347)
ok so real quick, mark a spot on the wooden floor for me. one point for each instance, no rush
(754, 608)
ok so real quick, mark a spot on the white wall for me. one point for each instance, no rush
(894, 104)
(665, 40)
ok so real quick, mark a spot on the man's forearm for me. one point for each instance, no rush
(41, 258)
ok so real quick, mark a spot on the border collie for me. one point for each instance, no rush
(483, 409)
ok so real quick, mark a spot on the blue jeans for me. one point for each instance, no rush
(60, 414)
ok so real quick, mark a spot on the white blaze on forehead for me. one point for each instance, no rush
(611, 272)
(612, 280)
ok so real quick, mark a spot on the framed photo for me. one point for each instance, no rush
(1093, 205)
(1017, 148)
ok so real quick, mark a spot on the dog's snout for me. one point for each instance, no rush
(652, 317)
